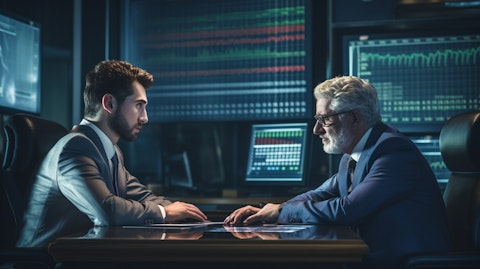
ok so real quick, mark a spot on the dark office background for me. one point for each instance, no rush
(217, 148)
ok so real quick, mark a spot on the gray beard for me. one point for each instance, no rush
(337, 142)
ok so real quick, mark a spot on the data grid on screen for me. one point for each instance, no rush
(222, 60)
(277, 153)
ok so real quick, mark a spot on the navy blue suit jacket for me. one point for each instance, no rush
(396, 204)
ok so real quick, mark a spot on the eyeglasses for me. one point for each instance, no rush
(326, 120)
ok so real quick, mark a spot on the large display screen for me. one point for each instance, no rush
(216, 60)
(19, 65)
(421, 81)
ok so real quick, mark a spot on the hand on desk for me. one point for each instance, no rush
(250, 214)
(177, 211)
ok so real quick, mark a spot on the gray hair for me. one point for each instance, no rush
(348, 93)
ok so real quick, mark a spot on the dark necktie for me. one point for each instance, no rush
(351, 168)
(115, 173)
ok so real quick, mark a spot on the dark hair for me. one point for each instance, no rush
(114, 77)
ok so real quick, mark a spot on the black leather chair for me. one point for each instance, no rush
(460, 148)
(27, 139)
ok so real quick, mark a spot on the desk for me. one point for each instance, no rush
(212, 246)
(218, 208)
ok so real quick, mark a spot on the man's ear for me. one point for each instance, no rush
(109, 103)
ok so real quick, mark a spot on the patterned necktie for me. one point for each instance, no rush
(115, 173)
(351, 168)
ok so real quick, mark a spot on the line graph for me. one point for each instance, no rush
(437, 58)
(421, 81)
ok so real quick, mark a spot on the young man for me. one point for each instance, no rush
(82, 181)
(392, 199)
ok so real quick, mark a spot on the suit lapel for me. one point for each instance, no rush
(366, 152)
(122, 180)
(92, 135)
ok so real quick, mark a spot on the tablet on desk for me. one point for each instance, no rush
(183, 225)
(265, 228)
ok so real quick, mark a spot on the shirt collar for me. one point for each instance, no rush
(357, 151)
(106, 142)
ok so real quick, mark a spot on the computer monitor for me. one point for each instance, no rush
(177, 171)
(222, 60)
(277, 154)
(19, 65)
(429, 146)
(422, 79)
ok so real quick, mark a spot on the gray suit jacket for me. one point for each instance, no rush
(73, 191)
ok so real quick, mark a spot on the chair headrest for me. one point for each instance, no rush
(27, 140)
(460, 142)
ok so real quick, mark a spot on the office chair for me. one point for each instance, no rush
(27, 140)
(460, 149)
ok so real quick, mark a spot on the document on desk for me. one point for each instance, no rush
(177, 225)
(266, 228)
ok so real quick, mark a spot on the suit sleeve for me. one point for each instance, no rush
(329, 189)
(83, 178)
(391, 173)
(139, 192)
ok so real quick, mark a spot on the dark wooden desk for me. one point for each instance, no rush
(215, 246)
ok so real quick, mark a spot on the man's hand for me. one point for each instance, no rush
(249, 214)
(178, 211)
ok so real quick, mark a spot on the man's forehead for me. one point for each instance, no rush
(323, 104)
(139, 92)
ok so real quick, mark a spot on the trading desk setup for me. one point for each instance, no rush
(210, 244)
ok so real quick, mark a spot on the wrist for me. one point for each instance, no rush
(280, 207)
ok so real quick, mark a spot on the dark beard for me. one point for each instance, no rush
(120, 126)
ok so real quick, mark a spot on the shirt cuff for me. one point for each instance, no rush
(164, 214)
